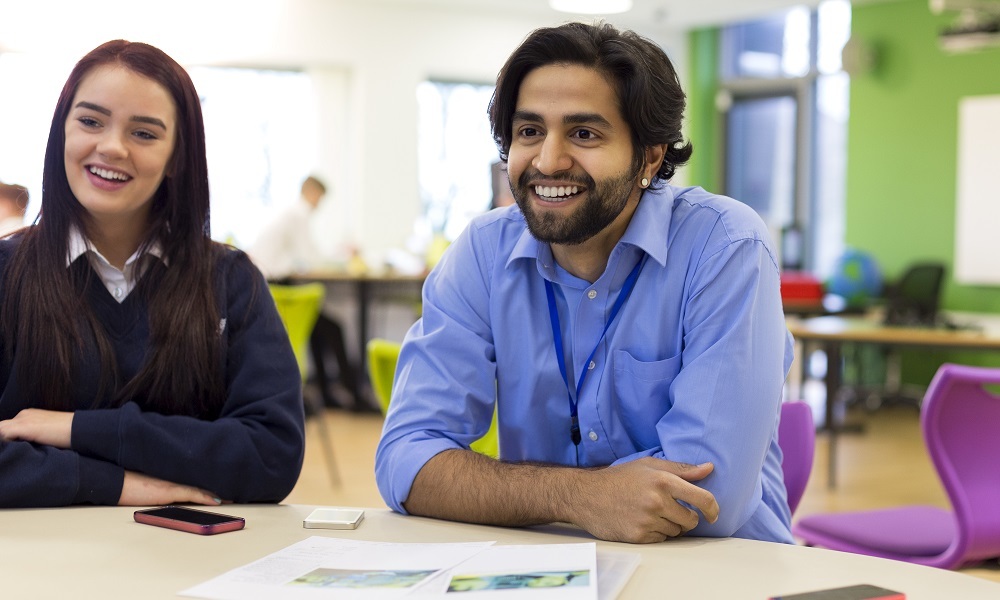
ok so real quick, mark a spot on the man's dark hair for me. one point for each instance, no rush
(649, 94)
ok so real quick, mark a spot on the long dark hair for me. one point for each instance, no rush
(45, 318)
(649, 94)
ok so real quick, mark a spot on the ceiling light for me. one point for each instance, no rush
(592, 7)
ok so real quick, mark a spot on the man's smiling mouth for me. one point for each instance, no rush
(556, 192)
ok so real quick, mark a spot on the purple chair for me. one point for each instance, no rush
(961, 425)
(797, 439)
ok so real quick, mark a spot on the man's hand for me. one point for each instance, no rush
(46, 427)
(640, 501)
(143, 490)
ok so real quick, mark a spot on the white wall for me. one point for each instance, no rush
(379, 53)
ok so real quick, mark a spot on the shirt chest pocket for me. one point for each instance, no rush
(642, 396)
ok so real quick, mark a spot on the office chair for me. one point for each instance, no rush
(913, 301)
(382, 358)
(959, 422)
(299, 307)
(797, 439)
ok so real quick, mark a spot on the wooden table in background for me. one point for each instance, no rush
(367, 287)
(832, 332)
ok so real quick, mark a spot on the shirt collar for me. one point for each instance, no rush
(79, 245)
(647, 231)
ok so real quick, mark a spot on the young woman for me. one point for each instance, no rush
(140, 363)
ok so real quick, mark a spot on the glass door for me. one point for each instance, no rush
(766, 149)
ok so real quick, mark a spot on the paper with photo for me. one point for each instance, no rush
(614, 569)
(321, 567)
(538, 572)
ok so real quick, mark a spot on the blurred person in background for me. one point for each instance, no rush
(284, 248)
(13, 203)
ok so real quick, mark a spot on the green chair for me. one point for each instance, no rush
(299, 307)
(382, 358)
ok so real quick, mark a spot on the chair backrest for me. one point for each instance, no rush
(915, 298)
(299, 307)
(382, 358)
(960, 418)
(797, 439)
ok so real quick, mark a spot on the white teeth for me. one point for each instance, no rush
(555, 192)
(106, 174)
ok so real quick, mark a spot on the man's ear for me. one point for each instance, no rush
(653, 159)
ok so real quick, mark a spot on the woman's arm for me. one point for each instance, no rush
(41, 438)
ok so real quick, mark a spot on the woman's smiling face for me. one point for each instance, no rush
(120, 138)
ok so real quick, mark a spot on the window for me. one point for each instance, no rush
(455, 155)
(262, 138)
(27, 111)
(261, 128)
(784, 98)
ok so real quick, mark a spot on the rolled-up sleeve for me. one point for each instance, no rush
(442, 396)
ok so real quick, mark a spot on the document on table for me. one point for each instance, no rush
(539, 572)
(615, 569)
(321, 567)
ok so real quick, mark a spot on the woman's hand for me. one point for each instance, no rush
(46, 427)
(143, 490)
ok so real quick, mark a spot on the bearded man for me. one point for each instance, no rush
(629, 334)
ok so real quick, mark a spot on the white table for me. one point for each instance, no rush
(100, 552)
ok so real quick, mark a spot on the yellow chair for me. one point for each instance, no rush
(382, 358)
(299, 307)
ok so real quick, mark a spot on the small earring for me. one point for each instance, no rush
(644, 182)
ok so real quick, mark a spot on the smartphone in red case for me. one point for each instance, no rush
(180, 518)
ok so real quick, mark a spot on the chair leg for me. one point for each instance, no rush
(318, 411)
(894, 390)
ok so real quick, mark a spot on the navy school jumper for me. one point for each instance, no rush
(251, 451)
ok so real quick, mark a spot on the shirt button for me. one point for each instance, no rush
(118, 292)
(592, 294)
(591, 365)
(593, 436)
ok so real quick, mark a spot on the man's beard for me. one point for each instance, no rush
(604, 202)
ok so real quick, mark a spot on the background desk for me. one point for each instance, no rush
(99, 552)
(368, 287)
(833, 332)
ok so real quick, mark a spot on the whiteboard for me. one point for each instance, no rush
(977, 219)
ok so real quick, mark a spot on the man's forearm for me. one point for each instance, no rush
(461, 485)
(645, 500)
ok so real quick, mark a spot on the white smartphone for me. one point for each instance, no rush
(334, 518)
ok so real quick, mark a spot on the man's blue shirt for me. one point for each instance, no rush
(691, 370)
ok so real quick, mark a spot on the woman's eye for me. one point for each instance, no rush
(89, 121)
(145, 135)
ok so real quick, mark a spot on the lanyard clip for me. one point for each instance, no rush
(574, 431)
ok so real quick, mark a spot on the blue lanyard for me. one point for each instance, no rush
(557, 336)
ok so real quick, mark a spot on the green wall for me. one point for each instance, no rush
(901, 155)
(902, 142)
(702, 118)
